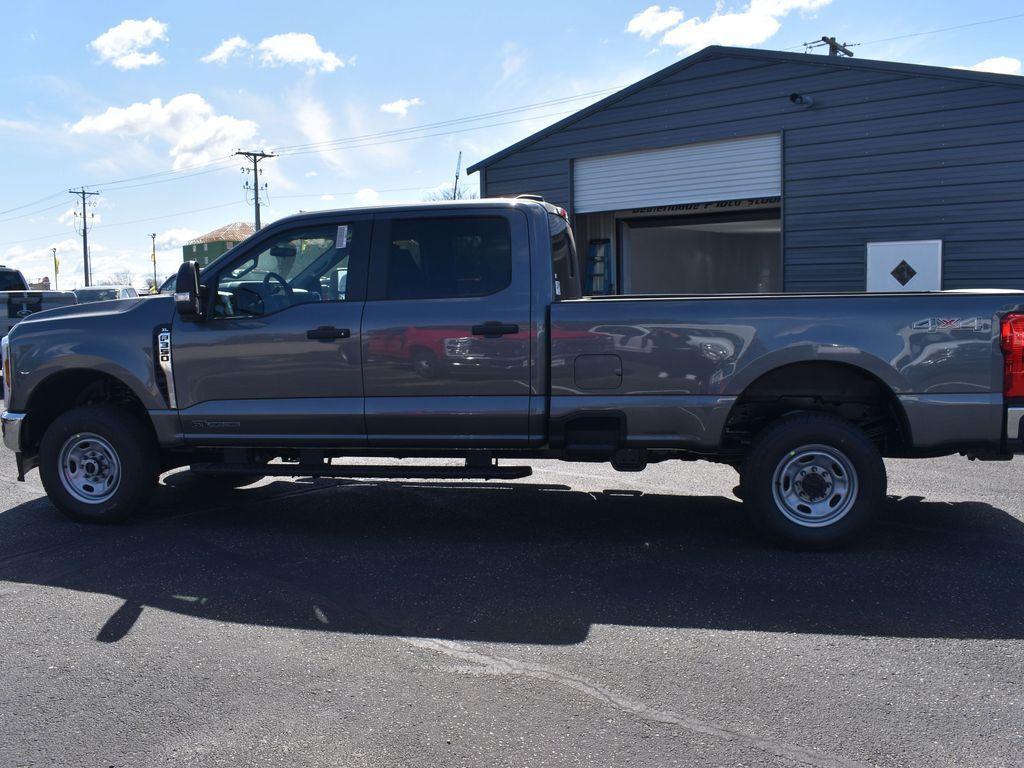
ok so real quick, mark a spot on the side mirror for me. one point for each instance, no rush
(186, 292)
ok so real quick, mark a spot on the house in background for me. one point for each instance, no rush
(206, 248)
(740, 170)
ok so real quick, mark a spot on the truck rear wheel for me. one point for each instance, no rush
(812, 481)
(98, 463)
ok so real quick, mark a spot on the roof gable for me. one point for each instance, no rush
(231, 233)
(715, 51)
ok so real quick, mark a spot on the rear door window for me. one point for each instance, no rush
(444, 257)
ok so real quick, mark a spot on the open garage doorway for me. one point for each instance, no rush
(701, 254)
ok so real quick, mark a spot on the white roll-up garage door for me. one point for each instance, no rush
(694, 173)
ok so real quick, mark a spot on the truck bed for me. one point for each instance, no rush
(674, 366)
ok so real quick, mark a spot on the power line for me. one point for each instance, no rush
(425, 135)
(34, 202)
(915, 34)
(213, 166)
(453, 121)
(943, 29)
(34, 213)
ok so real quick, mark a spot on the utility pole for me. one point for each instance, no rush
(836, 49)
(84, 194)
(156, 285)
(255, 157)
(56, 269)
(455, 187)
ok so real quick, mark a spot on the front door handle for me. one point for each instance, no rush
(328, 333)
(492, 329)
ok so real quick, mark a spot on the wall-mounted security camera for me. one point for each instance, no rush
(801, 100)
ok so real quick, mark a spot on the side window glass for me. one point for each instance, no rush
(447, 257)
(298, 267)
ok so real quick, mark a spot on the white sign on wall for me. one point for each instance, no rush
(910, 265)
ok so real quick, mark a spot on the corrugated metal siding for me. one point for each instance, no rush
(715, 170)
(880, 156)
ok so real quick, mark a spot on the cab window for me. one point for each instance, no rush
(299, 267)
(446, 257)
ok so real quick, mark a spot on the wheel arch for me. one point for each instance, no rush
(831, 386)
(63, 390)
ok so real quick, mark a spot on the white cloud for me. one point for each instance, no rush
(189, 123)
(1001, 65)
(751, 24)
(227, 49)
(367, 196)
(512, 60)
(652, 21)
(297, 48)
(400, 107)
(37, 262)
(327, 198)
(311, 174)
(175, 237)
(123, 45)
(317, 125)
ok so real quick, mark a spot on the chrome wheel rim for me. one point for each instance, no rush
(815, 485)
(90, 469)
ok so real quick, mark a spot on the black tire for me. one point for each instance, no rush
(133, 446)
(224, 479)
(812, 481)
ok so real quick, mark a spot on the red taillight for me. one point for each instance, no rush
(1013, 355)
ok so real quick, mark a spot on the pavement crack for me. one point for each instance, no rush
(478, 663)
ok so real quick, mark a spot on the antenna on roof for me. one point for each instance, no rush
(834, 48)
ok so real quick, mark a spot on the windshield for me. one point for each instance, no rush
(12, 281)
(85, 295)
(563, 259)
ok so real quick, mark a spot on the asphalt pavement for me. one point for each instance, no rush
(577, 617)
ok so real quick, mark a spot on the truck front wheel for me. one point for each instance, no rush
(98, 463)
(812, 480)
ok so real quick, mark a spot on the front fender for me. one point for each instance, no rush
(118, 342)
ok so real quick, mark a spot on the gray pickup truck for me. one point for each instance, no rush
(458, 330)
(18, 301)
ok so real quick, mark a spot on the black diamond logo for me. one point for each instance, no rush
(903, 273)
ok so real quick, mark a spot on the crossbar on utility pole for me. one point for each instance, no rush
(84, 194)
(255, 157)
(834, 48)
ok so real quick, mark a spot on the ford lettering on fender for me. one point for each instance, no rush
(458, 330)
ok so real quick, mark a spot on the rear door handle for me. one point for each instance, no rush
(328, 333)
(492, 329)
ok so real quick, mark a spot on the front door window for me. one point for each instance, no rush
(299, 267)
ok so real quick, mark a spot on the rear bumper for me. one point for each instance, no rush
(12, 424)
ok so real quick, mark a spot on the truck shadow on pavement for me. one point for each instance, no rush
(519, 563)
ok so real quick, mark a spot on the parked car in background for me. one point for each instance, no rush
(105, 293)
(18, 301)
(462, 333)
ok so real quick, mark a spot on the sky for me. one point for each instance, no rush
(364, 102)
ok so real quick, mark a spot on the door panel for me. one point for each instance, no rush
(279, 361)
(446, 335)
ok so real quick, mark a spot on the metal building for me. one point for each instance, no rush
(739, 170)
